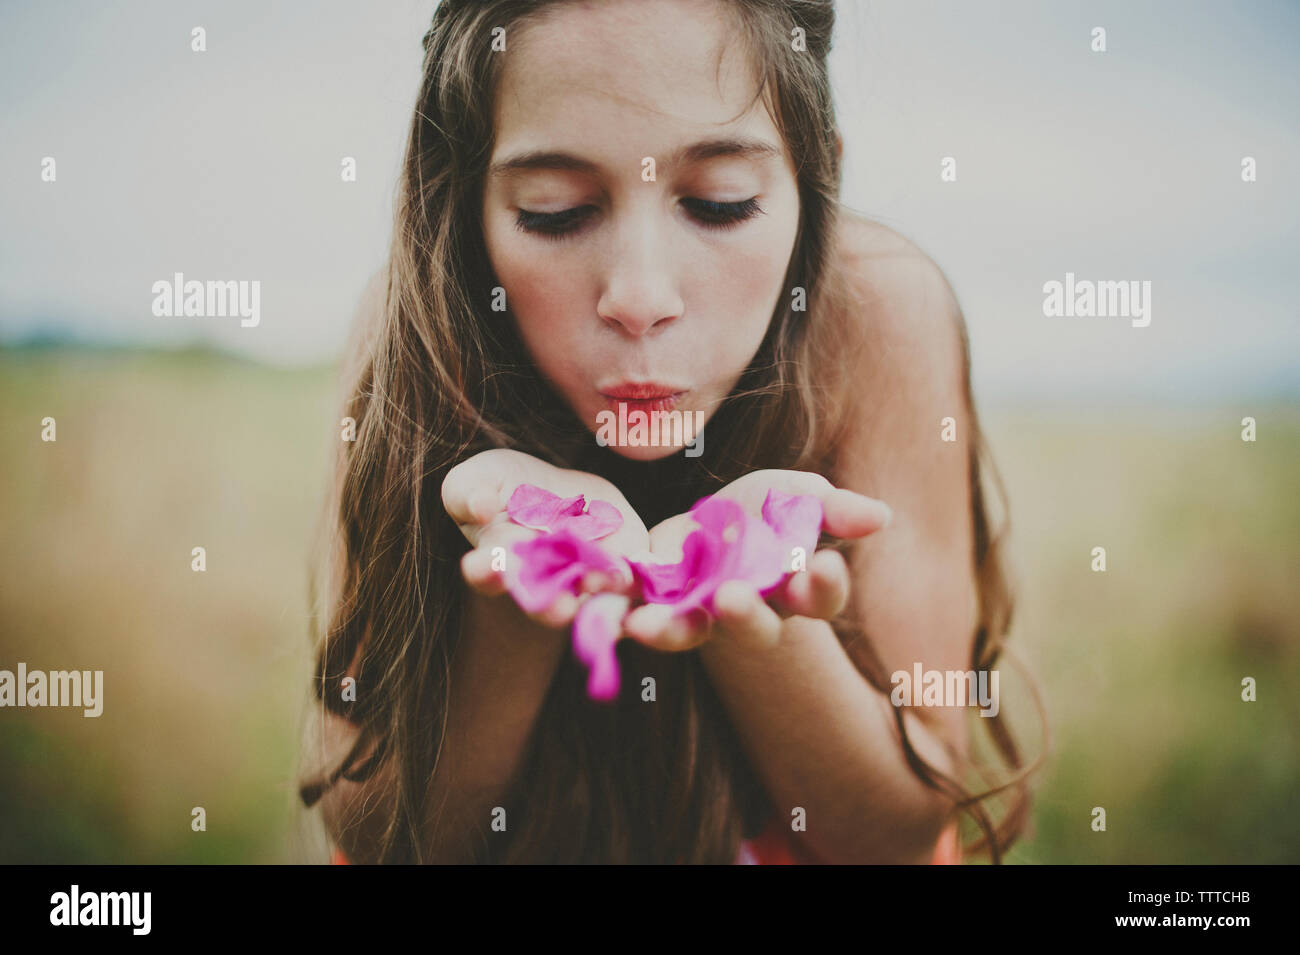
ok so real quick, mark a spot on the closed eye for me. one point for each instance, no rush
(723, 215)
(712, 215)
(552, 225)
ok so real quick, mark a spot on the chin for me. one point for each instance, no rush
(676, 433)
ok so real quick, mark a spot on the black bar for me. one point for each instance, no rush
(326, 903)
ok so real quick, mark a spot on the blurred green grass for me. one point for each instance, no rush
(1141, 666)
(205, 674)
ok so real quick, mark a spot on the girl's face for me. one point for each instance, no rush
(620, 272)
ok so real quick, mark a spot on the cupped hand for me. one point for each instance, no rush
(820, 591)
(475, 494)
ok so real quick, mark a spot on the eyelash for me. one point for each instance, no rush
(561, 225)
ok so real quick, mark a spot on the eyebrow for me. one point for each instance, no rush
(756, 149)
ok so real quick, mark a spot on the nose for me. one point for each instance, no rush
(640, 294)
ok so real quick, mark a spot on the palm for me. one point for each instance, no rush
(821, 592)
(476, 492)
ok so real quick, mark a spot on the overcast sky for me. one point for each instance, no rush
(1123, 165)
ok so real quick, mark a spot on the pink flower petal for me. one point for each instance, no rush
(555, 563)
(660, 583)
(599, 520)
(688, 583)
(538, 508)
(596, 629)
(541, 510)
(796, 519)
(727, 545)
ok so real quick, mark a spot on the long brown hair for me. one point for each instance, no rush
(443, 377)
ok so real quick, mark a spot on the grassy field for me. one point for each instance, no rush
(1140, 667)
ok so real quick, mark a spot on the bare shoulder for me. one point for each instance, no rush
(900, 294)
(904, 312)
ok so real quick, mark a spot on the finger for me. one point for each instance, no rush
(848, 514)
(661, 627)
(743, 614)
(484, 503)
(495, 548)
(667, 537)
(645, 624)
(598, 582)
(821, 591)
(471, 497)
(593, 581)
(687, 631)
(477, 567)
(561, 611)
(486, 568)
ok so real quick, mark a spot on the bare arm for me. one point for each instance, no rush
(501, 674)
(824, 740)
(820, 736)
(499, 681)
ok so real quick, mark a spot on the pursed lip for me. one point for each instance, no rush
(641, 391)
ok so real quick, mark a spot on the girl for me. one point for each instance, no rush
(638, 203)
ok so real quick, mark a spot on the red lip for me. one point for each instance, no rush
(641, 391)
(644, 396)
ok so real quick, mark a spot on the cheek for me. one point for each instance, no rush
(742, 285)
(542, 292)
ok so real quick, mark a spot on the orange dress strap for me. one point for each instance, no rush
(948, 851)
